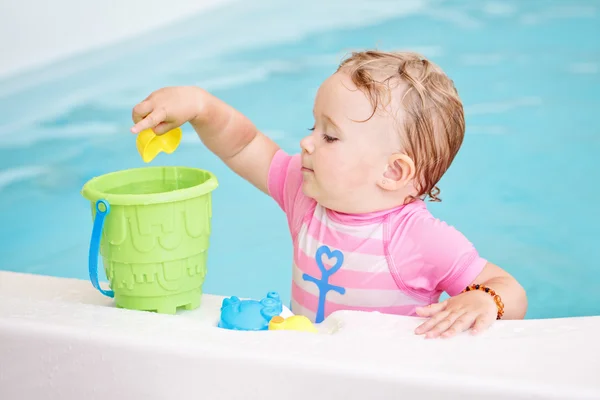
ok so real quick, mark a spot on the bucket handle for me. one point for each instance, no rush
(95, 245)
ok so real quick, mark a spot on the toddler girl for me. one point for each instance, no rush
(387, 125)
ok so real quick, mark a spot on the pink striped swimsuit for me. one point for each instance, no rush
(390, 261)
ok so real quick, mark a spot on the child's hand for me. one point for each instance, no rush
(475, 310)
(167, 108)
(222, 129)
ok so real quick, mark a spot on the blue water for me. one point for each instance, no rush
(524, 187)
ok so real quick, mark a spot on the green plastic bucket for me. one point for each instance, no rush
(152, 228)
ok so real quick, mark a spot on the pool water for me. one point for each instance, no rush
(524, 187)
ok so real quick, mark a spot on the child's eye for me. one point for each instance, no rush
(329, 139)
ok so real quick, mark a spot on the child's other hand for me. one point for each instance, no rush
(167, 108)
(475, 310)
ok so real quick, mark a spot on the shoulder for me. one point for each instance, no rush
(285, 187)
(283, 168)
(416, 223)
(436, 253)
(285, 178)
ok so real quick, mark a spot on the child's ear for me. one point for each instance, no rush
(399, 172)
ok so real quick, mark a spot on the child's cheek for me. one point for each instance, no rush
(355, 176)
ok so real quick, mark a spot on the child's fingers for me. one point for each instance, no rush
(431, 322)
(461, 324)
(164, 127)
(141, 110)
(482, 322)
(431, 309)
(442, 325)
(150, 121)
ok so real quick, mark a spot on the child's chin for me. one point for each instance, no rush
(308, 190)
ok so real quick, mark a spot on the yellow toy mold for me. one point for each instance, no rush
(293, 323)
(149, 144)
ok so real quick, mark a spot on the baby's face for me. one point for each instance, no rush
(343, 158)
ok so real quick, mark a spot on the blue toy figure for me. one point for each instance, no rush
(249, 315)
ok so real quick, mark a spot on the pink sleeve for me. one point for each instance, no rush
(430, 256)
(285, 187)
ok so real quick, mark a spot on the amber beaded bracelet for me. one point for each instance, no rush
(499, 303)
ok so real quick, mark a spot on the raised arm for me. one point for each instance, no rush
(223, 130)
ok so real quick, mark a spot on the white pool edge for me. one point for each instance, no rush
(61, 339)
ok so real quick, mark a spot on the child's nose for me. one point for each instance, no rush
(307, 144)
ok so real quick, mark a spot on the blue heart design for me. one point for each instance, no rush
(339, 260)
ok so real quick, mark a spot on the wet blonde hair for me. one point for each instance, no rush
(433, 124)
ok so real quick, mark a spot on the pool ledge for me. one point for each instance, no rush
(60, 339)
